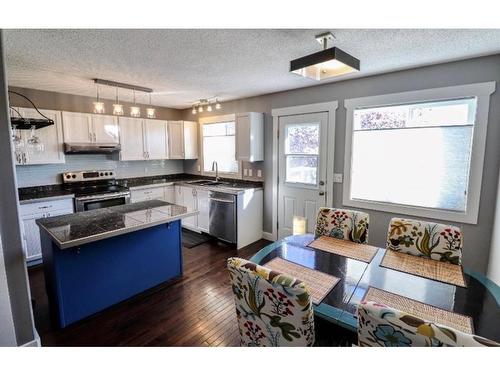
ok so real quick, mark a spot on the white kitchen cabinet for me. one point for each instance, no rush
(183, 140)
(77, 127)
(105, 129)
(90, 128)
(51, 137)
(155, 137)
(190, 201)
(179, 198)
(203, 204)
(170, 194)
(147, 194)
(250, 136)
(132, 139)
(29, 213)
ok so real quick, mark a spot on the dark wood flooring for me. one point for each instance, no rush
(195, 309)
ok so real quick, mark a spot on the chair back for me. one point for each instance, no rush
(425, 239)
(342, 224)
(272, 309)
(379, 325)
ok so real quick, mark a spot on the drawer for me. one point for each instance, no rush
(65, 205)
(140, 195)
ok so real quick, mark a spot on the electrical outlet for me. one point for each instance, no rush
(259, 173)
(245, 172)
(199, 168)
(337, 178)
(250, 172)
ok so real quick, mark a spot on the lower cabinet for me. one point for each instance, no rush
(191, 203)
(30, 212)
(203, 206)
(147, 194)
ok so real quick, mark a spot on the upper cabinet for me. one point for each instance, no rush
(250, 136)
(86, 127)
(143, 139)
(50, 137)
(183, 140)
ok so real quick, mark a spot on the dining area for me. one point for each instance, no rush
(415, 291)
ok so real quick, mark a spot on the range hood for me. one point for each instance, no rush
(91, 148)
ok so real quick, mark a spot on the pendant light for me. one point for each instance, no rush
(117, 107)
(217, 104)
(330, 62)
(209, 107)
(98, 105)
(134, 110)
(200, 108)
(150, 111)
(193, 111)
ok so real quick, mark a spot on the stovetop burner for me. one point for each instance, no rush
(84, 190)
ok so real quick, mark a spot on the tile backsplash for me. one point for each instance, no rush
(36, 175)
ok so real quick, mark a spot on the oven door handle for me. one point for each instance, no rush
(103, 198)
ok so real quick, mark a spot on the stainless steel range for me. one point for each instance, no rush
(95, 189)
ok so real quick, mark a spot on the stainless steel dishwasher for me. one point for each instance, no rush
(222, 216)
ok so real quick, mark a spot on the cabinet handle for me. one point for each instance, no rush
(95, 138)
(24, 158)
(90, 136)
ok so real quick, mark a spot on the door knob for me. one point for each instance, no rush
(321, 183)
(321, 193)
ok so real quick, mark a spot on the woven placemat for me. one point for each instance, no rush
(318, 283)
(358, 251)
(420, 310)
(428, 268)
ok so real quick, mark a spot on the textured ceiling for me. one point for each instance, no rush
(183, 66)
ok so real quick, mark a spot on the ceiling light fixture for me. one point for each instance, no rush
(150, 111)
(217, 104)
(193, 111)
(209, 107)
(330, 62)
(117, 107)
(135, 111)
(98, 105)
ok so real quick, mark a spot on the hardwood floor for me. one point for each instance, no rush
(196, 309)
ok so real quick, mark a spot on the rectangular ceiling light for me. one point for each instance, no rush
(324, 64)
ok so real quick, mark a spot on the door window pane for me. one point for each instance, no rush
(301, 169)
(302, 139)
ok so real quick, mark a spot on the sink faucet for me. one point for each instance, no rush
(215, 168)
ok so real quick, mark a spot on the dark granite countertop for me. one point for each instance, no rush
(42, 193)
(90, 226)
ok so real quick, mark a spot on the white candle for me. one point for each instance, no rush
(299, 225)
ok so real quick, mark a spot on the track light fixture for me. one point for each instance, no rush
(206, 105)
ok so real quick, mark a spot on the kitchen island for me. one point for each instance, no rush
(95, 259)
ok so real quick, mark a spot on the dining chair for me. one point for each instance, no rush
(379, 325)
(342, 224)
(425, 239)
(272, 309)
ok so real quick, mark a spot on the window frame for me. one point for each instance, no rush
(214, 120)
(482, 92)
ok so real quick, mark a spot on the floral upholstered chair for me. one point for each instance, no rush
(379, 325)
(342, 224)
(272, 309)
(430, 240)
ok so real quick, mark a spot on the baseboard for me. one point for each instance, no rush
(267, 236)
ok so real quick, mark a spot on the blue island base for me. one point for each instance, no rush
(86, 279)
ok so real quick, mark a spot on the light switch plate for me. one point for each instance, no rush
(245, 172)
(338, 178)
(250, 172)
(259, 173)
(199, 168)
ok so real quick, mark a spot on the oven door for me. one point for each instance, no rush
(93, 203)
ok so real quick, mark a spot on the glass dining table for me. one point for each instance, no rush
(480, 299)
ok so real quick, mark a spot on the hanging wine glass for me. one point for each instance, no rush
(16, 138)
(34, 142)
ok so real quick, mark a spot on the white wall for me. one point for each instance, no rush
(7, 332)
(494, 263)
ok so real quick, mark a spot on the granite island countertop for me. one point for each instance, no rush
(90, 226)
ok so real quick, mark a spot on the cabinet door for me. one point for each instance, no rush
(176, 139)
(189, 199)
(77, 127)
(105, 129)
(243, 138)
(169, 194)
(190, 140)
(132, 139)
(31, 236)
(179, 198)
(50, 136)
(156, 139)
(203, 205)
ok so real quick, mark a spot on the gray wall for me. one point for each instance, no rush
(477, 237)
(14, 279)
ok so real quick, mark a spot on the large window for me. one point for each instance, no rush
(416, 157)
(219, 145)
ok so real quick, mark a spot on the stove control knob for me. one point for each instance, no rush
(106, 173)
(101, 174)
(68, 176)
(111, 173)
(74, 176)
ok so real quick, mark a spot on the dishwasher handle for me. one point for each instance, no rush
(222, 200)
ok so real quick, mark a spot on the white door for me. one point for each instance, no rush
(132, 139)
(51, 138)
(105, 129)
(156, 139)
(77, 127)
(302, 169)
(176, 139)
(203, 206)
